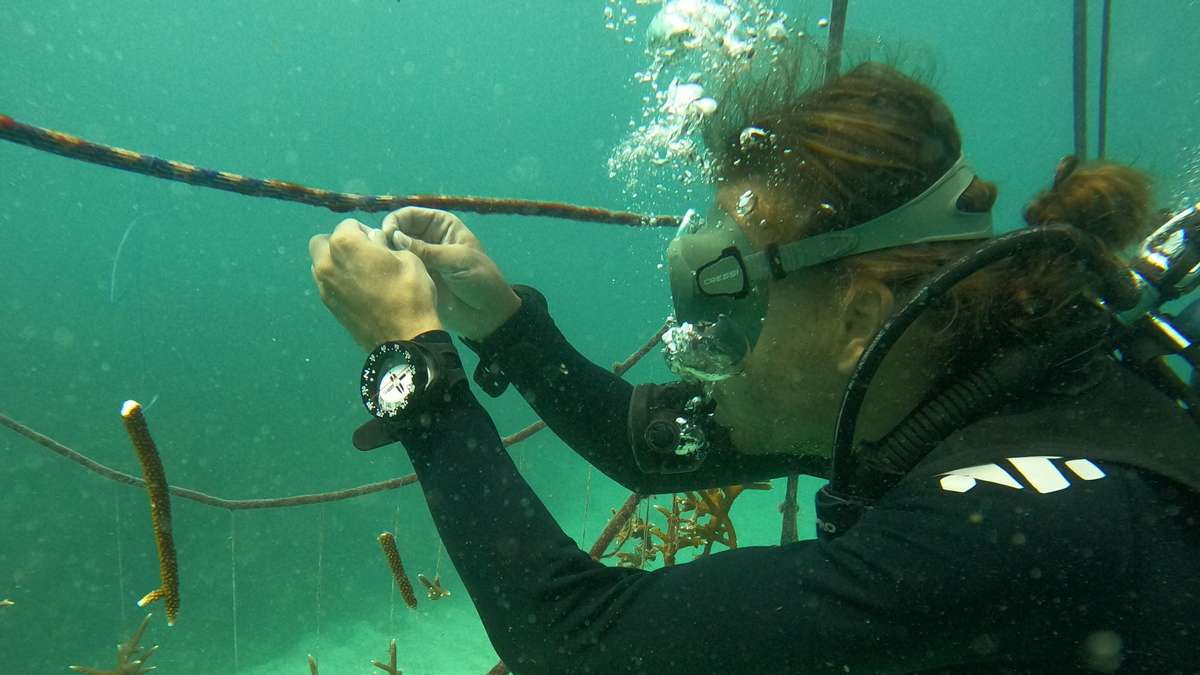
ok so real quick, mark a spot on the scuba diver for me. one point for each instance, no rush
(1014, 494)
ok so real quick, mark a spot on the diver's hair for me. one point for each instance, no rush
(853, 149)
(848, 151)
(1114, 203)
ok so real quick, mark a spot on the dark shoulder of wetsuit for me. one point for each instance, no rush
(1164, 441)
(588, 406)
(1030, 542)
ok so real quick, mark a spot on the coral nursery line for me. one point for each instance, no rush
(159, 492)
(155, 483)
(279, 502)
(74, 147)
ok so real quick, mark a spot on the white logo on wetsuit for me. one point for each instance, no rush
(1039, 472)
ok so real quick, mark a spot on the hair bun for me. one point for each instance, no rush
(1111, 202)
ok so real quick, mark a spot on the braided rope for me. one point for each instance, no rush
(84, 150)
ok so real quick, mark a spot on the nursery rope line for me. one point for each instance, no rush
(280, 502)
(74, 147)
(193, 495)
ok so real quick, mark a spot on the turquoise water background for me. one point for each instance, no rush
(215, 313)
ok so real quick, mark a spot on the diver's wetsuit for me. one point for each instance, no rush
(1027, 566)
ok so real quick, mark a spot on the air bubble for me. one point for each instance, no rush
(704, 43)
(706, 105)
(747, 203)
(750, 136)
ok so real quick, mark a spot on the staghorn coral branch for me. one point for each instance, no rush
(789, 508)
(436, 592)
(390, 668)
(160, 509)
(126, 664)
(388, 542)
(614, 526)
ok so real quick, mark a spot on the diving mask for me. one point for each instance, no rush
(718, 279)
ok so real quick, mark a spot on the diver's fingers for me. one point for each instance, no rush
(318, 250)
(410, 263)
(445, 259)
(348, 236)
(377, 237)
(428, 225)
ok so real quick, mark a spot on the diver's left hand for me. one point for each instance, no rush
(377, 294)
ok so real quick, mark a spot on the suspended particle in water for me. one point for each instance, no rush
(823, 23)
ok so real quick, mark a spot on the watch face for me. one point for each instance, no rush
(392, 378)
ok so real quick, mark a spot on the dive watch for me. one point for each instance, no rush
(401, 384)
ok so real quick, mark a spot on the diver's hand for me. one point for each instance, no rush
(473, 297)
(377, 294)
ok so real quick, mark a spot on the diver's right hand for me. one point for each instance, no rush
(473, 297)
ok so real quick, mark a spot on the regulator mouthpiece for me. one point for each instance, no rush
(671, 427)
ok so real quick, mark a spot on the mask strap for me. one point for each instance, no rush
(931, 216)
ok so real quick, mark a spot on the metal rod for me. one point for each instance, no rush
(1102, 119)
(1079, 45)
(837, 35)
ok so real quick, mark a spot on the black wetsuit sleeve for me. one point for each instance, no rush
(927, 579)
(587, 406)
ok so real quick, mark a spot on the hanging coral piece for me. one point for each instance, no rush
(390, 668)
(436, 592)
(393, 557)
(126, 664)
(160, 509)
(707, 524)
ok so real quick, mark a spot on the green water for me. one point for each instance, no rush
(215, 311)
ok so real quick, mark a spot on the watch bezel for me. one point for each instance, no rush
(382, 360)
